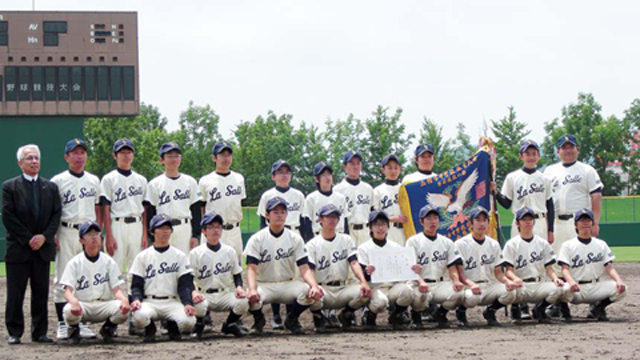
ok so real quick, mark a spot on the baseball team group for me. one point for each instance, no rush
(169, 252)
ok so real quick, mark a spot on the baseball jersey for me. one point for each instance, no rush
(316, 200)
(358, 198)
(214, 269)
(480, 259)
(435, 256)
(586, 261)
(528, 258)
(125, 193)
(79, 196)
(161, 270)
(173, 197)
(277, 257)
(524, 189)
(92, 280)
(330, 259)
(417, 176)
(224, 194)
(385, 197)
(294, 198)
(572, 185)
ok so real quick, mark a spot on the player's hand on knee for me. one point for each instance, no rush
(365, 290)
(518, 282)
(76, 309)
(197, 297)
(574, 287)
(253, 296)
(125, 307)
(189, 310)
(458, 286)
(476, 290)
(316, 293)
(621, 287)
(135, 305)
(558, 282)
(416, 268)
(240, 293)
(423, 288)
(370, 269)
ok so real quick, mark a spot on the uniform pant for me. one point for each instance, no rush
(129, 241)
(233, 238)
(385, 295)
(181, 237)
(397, 235)
(591, 293)
(96, 311)
(490, 292)
(170, 310)
(69, 247)
(563, 230)
(222, 302)
(539, 228)
(337, 297)
(359, 236)
(439, 293)
(285, 292)
(536, 292)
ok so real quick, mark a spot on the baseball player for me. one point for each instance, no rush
(584, 259)
(527, 257)
(223, 191)
(178, 196)
(331, 254)
(437, 264)
(385, 198)
(281, 175)
(423, 157)
(162, 285)
(272, 255)
(80, 198)
(219, 278)
(482, 271)
(398, 295)
(92, 287)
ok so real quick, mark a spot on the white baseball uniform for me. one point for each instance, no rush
(295, 207)
(79, 196)
(435, 256)
(531, 190)
(93, 283)
(385, 197)
(316, 200)
(359, 199)
(174, 197)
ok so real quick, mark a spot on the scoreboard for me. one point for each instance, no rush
(68, 63)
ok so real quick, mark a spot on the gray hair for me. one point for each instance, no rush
(21, 150)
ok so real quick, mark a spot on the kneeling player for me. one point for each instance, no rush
(438, 258)
(584, 259)
(330, 256)
(397, 295)
(219, 278)
(91, 280)
(162, 284)
(527, 257)
(273, 254)
(482, 271)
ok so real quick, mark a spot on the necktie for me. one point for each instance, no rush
(35, 196)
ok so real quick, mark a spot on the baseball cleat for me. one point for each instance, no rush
(490, 315)
(258, 323)
(461, 317)
(416, 318)
(149, 333)
(333, 322)
(292, 324)
(85, 332)
(320, 322)
(107, 333)
(74, 336)
(63, 331)
(276, 322)
(233, 329)
(516, 313)
(526, 313)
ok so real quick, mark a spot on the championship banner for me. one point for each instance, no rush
(454, 192)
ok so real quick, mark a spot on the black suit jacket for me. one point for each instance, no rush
(22, 224)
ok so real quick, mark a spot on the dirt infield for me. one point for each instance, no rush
(583, 339)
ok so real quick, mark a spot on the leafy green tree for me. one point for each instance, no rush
(308, 151)
(508, 134)
(631, 159)
(462, 148)
(339, 137)
(431, 133)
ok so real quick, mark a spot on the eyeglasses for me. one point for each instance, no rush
(283, 172)
(379, 225)
(213, 227)
(173, 156)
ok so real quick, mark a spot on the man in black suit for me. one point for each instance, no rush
(31, 212)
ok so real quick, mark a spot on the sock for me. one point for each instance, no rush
(233, 317)
(59, 307)
(275, 309)
(348, 308)
(497, 305)
(604, 303)
(296, 309)
(400, 309)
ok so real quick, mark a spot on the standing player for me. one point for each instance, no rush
(162, 285)
(584, 259)
(91, 281)
(80, 198)
(438, 260)
(223, 191)
(423, 157)
(385, 198)
(219, 278)
(178, 196)
(273, 254)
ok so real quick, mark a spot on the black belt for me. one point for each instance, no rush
(537, 216)
(433, 280)
(333, 283)
(70, 225)
(358, 226)
(128, 219)
(565, 216)
(155, 297)
(213, 291)
(530, 280)
(178, 222)
(295, 228)
(581, 282)
(230, 226)
(481, 281)
(397, 225)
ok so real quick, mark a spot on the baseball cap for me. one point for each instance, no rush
(423, 148)
(210, 217)
(583, 212)
(274, 202)
(390, 157)
(427, 209)
(278, 164)
(476, 211)
(524, 211)
(74, 143)
(349, 155)
(567, 138)
(328, 210)
(222, 146)
(86, 226)
(160, 220)
(121, 144)
(527, 144)
(320, 167)
(375, 215)
(169, 146)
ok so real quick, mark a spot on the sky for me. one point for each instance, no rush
(450, 61)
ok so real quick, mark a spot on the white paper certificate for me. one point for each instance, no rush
(392, 265)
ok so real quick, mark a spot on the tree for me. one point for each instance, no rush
(308, 151)
(341, 136)
(631, 159)
(508, 134)
(462, 147)
(431, 133)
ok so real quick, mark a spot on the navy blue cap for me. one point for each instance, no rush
(328, 210)
(86, 226)
(390, 157)
(169, 146)
(121, 144)
(222, 146)
(210, 217)
(527, 144)
(567, 138)
(349, 155)
(427, 209)
(320, 167)
(423, 148)
(159, 220)
(476, 211)
(583, 212)
(524, 211)
(278, 164)
(274, 202)
(375, 215)
(72, 144)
